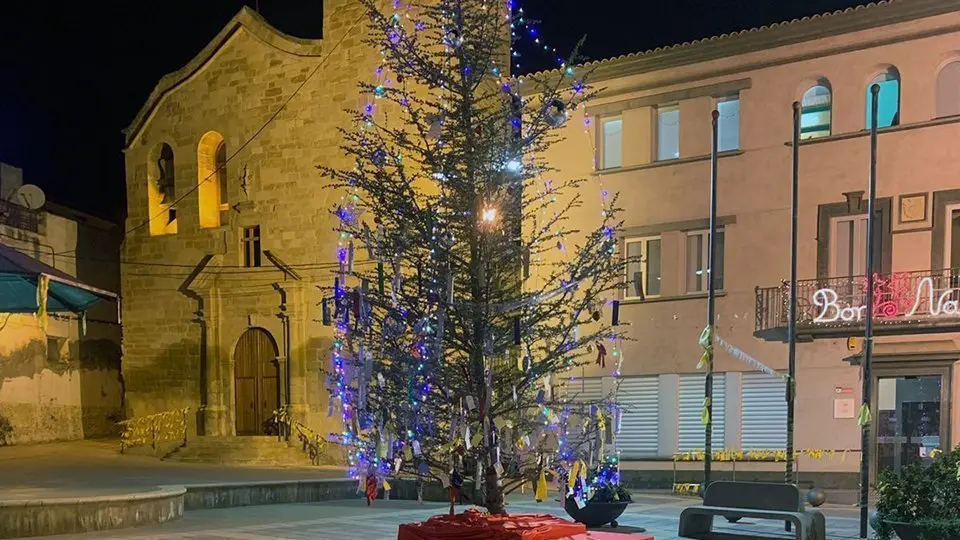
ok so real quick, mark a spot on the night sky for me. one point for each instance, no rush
(73, 74)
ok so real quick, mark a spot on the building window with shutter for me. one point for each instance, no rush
(251, 246)
(728, 124)
(697, 258)
(948, 90)
(763, 412)
(888, 101)
(643, 267)
(639, 401)
(611, 143)
(816, 108)
(668, 132)
(691, 429)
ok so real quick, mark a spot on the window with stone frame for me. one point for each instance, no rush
(250, 246)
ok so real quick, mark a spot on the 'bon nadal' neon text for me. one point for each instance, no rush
(831, 310)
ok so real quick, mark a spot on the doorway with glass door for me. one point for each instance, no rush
(912, 418)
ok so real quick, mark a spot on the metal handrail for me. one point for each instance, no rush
(20, 217)
(900, 296)
(154, 428)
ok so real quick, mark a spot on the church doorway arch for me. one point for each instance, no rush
(256, 381)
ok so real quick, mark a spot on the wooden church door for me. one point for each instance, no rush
(256, 373)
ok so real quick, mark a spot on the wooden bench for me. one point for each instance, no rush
(758, 500)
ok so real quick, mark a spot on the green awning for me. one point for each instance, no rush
(21, 276)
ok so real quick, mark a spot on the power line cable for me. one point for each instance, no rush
(260, 130)
(185, 267)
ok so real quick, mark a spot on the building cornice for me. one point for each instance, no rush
(247, 19)
(873, 15)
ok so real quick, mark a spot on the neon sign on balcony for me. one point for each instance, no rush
(889, 302)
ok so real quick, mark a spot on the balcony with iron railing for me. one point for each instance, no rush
(20, 217)
(904, 303)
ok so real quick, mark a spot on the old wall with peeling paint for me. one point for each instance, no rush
(56, 381)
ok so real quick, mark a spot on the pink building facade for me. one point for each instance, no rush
(648, 136)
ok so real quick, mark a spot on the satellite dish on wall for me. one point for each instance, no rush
(30, 196)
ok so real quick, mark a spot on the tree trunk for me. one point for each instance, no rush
(494, 500)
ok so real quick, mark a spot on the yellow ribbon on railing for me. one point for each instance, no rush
(686, 489)
(864, 417)
(541, 492)
(706, 343)
(705, 413)
(578, 470)
(758, 455)
(153, 428)
(43, 284)
(602, 428)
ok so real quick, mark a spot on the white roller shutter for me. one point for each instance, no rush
(585, 389)
(581, 391)
(639, 397)
(763, 414)
(691, 429)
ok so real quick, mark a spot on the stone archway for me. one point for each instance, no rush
(256, 381)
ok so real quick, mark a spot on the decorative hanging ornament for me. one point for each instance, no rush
(454, 39)
(393, 325)
(555, 113)
(436, 126)
(449, 240)
(379, 157)
(601, 355)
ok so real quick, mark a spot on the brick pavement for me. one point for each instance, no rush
(85, 468)
(352, 520)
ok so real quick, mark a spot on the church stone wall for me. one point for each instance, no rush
(173, 356)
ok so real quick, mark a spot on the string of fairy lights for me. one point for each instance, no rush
(524, 27)
(348, 211)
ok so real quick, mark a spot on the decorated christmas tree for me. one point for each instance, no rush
(465, 298)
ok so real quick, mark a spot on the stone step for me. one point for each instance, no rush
(261, 450)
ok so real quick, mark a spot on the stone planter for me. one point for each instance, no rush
(913, 531)
(595, 514)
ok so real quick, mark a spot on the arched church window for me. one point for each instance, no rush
(211, 178)
(162, 190)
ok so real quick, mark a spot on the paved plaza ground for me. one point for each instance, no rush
(85, 468)
(353, 520)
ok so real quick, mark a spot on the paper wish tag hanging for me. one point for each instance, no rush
(601, 355)
(547, 382)
(397, 284)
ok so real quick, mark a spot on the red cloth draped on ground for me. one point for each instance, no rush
(475, 525)
(371, 488)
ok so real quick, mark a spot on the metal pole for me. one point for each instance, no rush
(792, 315)
(868, 326)
(711, 308)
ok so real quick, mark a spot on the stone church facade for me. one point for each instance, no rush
(220, 294)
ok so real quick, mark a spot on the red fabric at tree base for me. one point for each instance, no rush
(475, 525)
(604, 535)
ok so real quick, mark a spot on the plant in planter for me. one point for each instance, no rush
(921, 502)
(603, 500)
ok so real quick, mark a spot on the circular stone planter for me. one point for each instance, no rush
(913, 531)
(595, 514)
